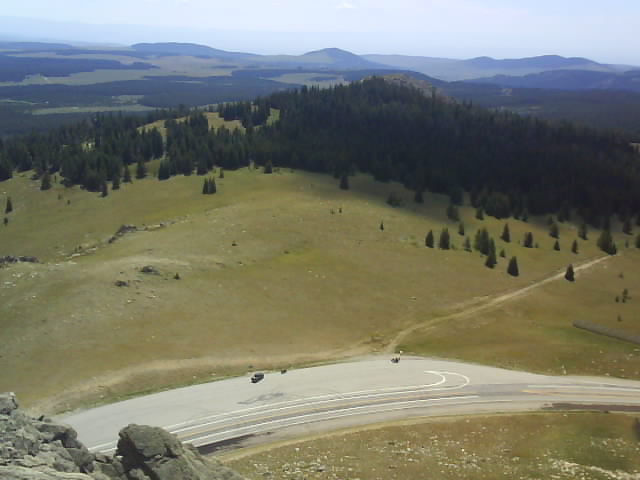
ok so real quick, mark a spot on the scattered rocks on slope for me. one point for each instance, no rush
(122, 231)
(39, 449)
(6, 260)
(150, 269)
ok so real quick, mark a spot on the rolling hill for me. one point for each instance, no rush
(569, 80)
(453, 70)
(44, 84)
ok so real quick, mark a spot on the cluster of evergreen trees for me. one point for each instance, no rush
(87, 153)
(251, 114)
(511, 165)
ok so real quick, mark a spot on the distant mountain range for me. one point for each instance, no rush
(483, 67)
(570, 80)
(187, 49)
(334, 58)
(59, 78)
(535, 71)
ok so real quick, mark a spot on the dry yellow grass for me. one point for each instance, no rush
(215, 122)
(558, 446)
(303, 283)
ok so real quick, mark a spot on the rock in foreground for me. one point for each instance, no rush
(40, 449)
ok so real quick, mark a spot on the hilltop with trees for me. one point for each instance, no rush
(512, 166)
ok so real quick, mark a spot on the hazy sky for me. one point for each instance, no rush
(603, 30)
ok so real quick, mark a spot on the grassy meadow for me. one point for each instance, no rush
(214, 120)
(274, 271)
(589, 446)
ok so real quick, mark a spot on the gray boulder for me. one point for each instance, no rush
(24, 473)
(8, 403)
(40, 449)
(154, 454)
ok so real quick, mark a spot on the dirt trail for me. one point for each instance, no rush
(489, 302)
(158, 375)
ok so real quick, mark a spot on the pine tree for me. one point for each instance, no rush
(382, 226)
(9, 206)
(528, 240)
(480, 213)
(344, 182)
(482, 241)
(6, 221)
(268, 168)
(503, 254)
(554, 231)
(606, 244)
(164, 171)
(444, 241)
(638, 241)
(626, 226)
(428, 240)
(419, 196)
(512, 268)
(564, 215)
(221, 173)
(556, 246)
(461, 229)
(582, 230)
(467, 244)
(452, 213)
(141, 170)
(491, 256)
(205, 187)
(45, 184)
(569, 275)
(201, 166)
(104, 189)
(506, 235)
(127, 174)
(115, 183)
(213, 188)
(574, 247)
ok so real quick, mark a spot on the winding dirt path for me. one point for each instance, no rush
(489, 302)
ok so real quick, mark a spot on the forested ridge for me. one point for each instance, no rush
(511, 165)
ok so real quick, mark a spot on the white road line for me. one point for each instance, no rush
(101, 446)
(268, 409)
(302, 402)
(350, 413)
(329, 396)
(588, 387)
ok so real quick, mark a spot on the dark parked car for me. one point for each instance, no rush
(257, 377)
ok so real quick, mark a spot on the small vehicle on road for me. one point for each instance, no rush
(257, 377)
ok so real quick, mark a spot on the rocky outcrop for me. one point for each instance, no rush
(150, 270)
(122, 231)
(152, 453)
(40, 449)
(9, 259)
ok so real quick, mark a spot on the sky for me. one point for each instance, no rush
(603, 31)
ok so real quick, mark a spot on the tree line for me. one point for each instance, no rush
(510, 165)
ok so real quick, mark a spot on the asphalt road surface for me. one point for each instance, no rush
(314, 399)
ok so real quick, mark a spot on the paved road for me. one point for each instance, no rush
(358, 392)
